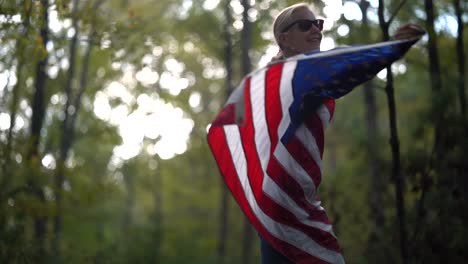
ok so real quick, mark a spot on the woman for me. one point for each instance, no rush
(297, 30)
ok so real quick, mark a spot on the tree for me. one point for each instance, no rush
(65, 142)
(38, 111)
(224, 208)
(394, 142)
(460, 57)
(376, 179)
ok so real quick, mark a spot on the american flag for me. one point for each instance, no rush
(268, 143)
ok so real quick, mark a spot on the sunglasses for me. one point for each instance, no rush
(305, 24)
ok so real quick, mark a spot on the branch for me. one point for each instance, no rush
(382, 23)
(402, 3)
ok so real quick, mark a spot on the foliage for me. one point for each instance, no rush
(152, 208)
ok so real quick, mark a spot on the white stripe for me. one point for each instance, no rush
(237, 95)
(262, 136)
(280, 231)
(263, 145)
(286, 95)
(271, 189)
(309, 142)
(324, 115)
(296, 171)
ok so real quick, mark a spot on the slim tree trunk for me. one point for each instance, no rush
(65, 142)
(397, 175)
(436, 87)
(460, 58)
(38, 112)
(158, 213)
(129, 200)
(224, 208)
(434, 75)
(434, 64)
(246, 67)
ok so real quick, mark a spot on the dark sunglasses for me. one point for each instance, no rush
(305, 24)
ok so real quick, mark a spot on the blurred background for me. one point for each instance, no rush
(105, 106)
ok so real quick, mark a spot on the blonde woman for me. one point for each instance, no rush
(297, 30)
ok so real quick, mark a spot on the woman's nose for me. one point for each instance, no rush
(314, 28)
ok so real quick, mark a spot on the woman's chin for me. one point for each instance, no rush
(315, 48)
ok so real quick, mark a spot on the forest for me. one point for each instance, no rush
(105, 107)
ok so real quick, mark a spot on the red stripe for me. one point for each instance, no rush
(315, 126)
(304, 158)
(255, 175)
(273, 107)
(330, 104)
(226, 116)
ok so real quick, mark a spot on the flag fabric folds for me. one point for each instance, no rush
(268, 143)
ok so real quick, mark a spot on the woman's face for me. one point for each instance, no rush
(295, 40)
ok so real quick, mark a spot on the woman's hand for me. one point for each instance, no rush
(409, 31)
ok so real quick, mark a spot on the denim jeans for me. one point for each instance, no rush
(270, 255)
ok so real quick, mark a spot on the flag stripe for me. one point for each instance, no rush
(307, 139)
(295, 191)
(302, 157)
(297, 238)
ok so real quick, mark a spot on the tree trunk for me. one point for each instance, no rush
(38, 111)
(224, 208)
(460, 58)
(158, 213)
(435, 76)
(129, 201)
(438, 104)
(246, 67)
(397, 175)
(434, 65)
(65, 141)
